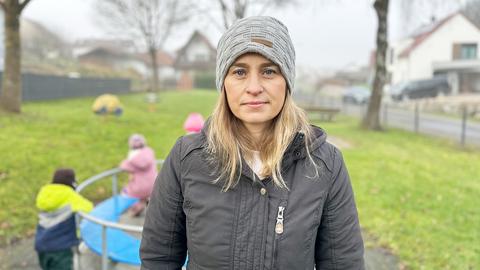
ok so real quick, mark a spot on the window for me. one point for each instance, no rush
(465, 51)
(201, 57)
(468, 51)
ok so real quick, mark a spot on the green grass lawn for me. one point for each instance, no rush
(417, 196)
(67, 134)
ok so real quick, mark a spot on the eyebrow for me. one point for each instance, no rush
(245, 65)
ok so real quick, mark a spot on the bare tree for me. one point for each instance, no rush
(11, 96)
(232, 10)
(372, 118)
(149, 23)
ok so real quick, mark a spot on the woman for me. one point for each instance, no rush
(258, 188)
(141, 165)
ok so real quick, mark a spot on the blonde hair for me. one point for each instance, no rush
(228, 140)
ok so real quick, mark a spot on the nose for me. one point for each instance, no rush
(254, 85)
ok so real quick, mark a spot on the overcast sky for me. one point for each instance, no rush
(326, 36)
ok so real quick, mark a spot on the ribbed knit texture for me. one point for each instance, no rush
(255, 35)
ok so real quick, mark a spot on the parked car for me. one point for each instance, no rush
(421, 89)
(396, 90)
(357, 95)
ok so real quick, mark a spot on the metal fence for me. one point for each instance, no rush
(46, 87)
(459, 125)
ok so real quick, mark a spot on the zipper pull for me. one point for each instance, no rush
(279, 225)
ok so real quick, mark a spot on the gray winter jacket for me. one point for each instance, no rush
(256, 225)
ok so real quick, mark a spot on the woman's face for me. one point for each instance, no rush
(255, 90)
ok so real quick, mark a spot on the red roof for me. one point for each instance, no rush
(421, 36)
(163, 58)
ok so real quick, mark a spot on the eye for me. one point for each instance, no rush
(240, 72)
(269, 71)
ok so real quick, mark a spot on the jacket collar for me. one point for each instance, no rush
(295, 151)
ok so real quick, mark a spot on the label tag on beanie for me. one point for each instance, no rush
(263, 41)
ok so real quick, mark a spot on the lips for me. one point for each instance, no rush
(254, 103)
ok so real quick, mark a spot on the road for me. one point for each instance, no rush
(430, 124)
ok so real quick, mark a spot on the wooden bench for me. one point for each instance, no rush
(321, 113)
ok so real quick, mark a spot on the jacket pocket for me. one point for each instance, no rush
(294, 248)
(315, 223)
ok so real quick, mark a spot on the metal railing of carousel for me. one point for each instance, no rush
(103, 223)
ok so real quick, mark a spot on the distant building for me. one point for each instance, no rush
(108, 53)
(112, 59)
(83, 46)
(448, 46)
(166, 70)
(357, 75)
(37, 42)
(195, 63)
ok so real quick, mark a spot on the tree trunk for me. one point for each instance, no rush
(155, 78)
(11, 96)
(372, 118)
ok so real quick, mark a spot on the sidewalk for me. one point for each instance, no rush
(21, 256)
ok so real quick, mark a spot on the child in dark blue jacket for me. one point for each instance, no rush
(56, 229)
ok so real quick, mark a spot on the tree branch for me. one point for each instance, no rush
(207, 12)
(24, 4)
(265, 7)
(225, 12)
(239, 9)
(274, 3)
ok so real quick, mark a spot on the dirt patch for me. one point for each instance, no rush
(378, 257)
(339, 143)
(19, 255)
(22, 256)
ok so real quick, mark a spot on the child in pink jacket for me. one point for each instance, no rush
(141, 164)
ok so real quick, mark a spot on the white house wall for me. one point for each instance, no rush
(437, 47)
(400, 73)
(166, 72)
(198, 48)
(399, 67)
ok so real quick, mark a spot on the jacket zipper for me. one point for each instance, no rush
(279, 227)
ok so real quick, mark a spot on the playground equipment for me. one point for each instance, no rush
(107, 104)
(100, 229)
(151, 99)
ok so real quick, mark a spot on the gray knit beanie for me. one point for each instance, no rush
(259, 34)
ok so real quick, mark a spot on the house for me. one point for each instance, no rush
(110, 58)
(85, 45)
(109, 54)
(120, 55)
(448, 46)
(195, 63)
(166, 70)
(37, 41)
